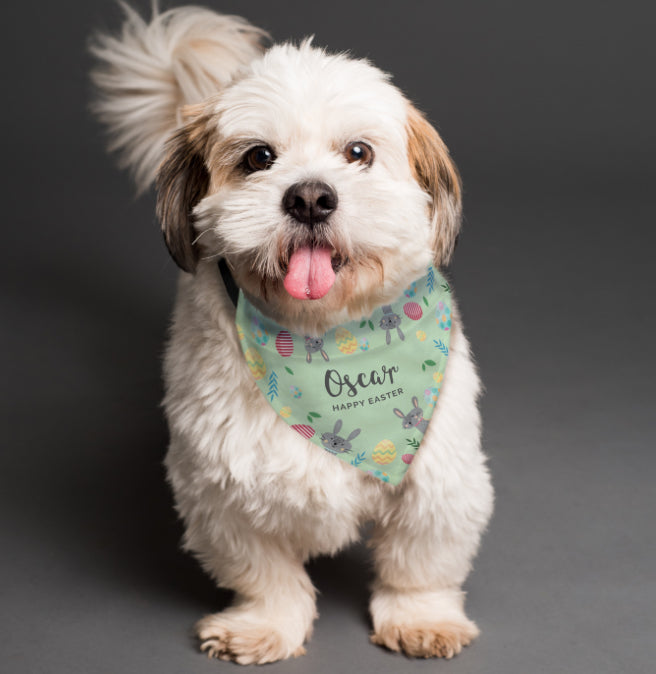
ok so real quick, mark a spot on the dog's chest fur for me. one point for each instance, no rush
(225, 434)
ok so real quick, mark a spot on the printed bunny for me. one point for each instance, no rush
(312, 345)
(414, 418)
(389, 321)
(334, 443)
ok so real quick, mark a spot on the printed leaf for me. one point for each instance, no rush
(430, 281)
(412, 443)
(358, 459)
(289, 369)
(441, 346)
(272, 391)
(371, 325)
(316, 415)
(423, 367)
(363, 323)
(430, 362)
(446, 287)
(425, 301)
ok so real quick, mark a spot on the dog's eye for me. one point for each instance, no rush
(259, 158)
(360, 152)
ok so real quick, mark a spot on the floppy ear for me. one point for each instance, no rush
(354, 434)
(182, 181)
(438, 176)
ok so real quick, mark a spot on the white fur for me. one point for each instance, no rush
(257, 499)
(181, 57)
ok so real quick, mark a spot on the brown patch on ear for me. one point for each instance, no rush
(437, 175)
(182, 181)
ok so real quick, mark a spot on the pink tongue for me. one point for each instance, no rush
(310, 274)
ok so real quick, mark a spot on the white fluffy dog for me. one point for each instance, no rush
(226, 126)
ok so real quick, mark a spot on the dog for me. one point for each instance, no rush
(324, 193)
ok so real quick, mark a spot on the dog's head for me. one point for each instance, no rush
(324, 189)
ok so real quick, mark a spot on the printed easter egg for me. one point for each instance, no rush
(437, 377)
(255, 363)
(305, 430)
(443, 316)
(345, 341)
(295, 391)
(240, 332)
(384, 452)
(379, 474)
(421, 335)
(364, 344)
(286, 412)
(413, 311)
(431, 394)
(284, 344)
(407, 458)
(411, 290)
(260, 335)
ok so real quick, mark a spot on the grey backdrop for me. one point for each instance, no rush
(549, 111)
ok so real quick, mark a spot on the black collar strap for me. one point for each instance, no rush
(231, 287)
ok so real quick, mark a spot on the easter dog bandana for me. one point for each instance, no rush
(364, 391)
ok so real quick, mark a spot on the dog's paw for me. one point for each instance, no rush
(441, 640)
(245, 639)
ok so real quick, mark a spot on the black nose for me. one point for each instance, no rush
(310, 202)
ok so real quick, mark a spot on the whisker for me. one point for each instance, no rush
(211, 257)
(195, 241)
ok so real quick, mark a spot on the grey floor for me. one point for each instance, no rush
(555, 279)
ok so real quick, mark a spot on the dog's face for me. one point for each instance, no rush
(321, 185)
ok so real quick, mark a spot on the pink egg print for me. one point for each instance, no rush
(407, 458)
(305, 430)
(284, 344)
(413, 311)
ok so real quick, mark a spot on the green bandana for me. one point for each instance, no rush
(365, 390)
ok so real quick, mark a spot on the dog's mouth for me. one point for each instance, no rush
(312, 270)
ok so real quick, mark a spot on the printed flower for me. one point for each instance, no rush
(364, 344)
(431, 395)
(295, 391)
(379, 474)
(411, 290)
(443, 316)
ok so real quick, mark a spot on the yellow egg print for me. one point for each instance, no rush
(255, 363)
(286, 412)
(240, 332)
(438, 376)
(384, 452)
(346, 342)
(421, 335)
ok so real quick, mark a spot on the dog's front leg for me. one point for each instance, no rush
(274, 606)
(417, 604)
